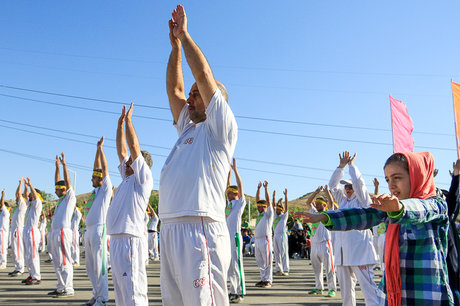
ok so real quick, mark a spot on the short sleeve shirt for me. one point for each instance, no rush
(264, 227)
(35, 209)
(19, 214)
(234, 218)
(4, 218)
(64, 211)
(126, 213)
(98, 212)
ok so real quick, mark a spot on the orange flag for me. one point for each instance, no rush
(456, 97)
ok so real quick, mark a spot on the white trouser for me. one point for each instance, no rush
(153, 245)
(96, 261)
(280, 247)
(61, 242)
(3, 247)
(108, 252)
(321, 254)
(17, 248)
(128, 269)
(75, 247)
(347, 276)
(236, 270)
(146, 246)
(195, 256)
(380, 248)
(264, 258)
(42, 244)
(31, 257)
(49, 244)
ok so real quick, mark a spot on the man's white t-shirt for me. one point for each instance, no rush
(281, 227)
(127, 211)
(76, 218)
(64, 211)
(264, 227)
(4, 218)
(34, 211)
(98, 212)
(234, 217)
(19, 214)
(194, 177)
(154, 223)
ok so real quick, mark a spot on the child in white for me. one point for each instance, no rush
(42, 229)
(32, 236)
(61, 234)
(95, 212)
(280, 239)
(125, 217)
(355, 253)
(321, 247)
(16, 232)
(153, 234)
(75, 227)
(4, 227)
(233, 213)
(263, 238)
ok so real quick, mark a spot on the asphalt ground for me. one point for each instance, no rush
(286, 290)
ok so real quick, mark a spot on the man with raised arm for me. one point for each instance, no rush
(61, 234)
(32, 235)
(4, 228)
(125, 217)
(321, 247)
(95, 212)
(195, 246)
(75, 227)
(280, 239)
(233, 212)
(355, 253)
(263, 237)
(153, 234)
(16, 229)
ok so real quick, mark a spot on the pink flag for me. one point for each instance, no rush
(402, 127)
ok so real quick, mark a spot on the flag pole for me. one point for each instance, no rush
(455, 118)
(392, 130)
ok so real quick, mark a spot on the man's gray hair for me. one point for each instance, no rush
(147, 158)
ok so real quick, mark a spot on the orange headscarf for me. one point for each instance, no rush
(421, 167)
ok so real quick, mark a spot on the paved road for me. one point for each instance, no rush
(287, 290)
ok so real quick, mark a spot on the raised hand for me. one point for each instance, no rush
(122, 117)
(179, 20)
(57, 162)
(456, 167)
(326, 188)
(233, 165)
(62, 158)
(285, 192)
(386, 202)
(175, 42)
(129, 114)
(265, 184)
(376, 182)
(100, 143)
(352, 159)
(259, 185)
(344, 159)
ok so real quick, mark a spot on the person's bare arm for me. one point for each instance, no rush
(239, 183)
(376, 186)
(274, 199)
(67, 181)
(102, 159)
(26, 190)
(258, 192)
(131, 136)
(267, 195)
(97, 158)
(18, 190)
(32, 190)
(285, 200)
(122, 149)
(329, 197)
(195, 58)
(312, 197)
(2, 201)
(174, 76)
(57, 175)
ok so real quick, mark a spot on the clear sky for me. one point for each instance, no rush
(327, 67)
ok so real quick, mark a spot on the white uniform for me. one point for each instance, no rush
(96, 240)
(264, 244)
(192, 189)
(322, 254)
(75, 226)
(354, 251)
(234, 211)
(379, 242)
(280, 243)
(4, 231)
(146, 238)
(61, 241)
(42, 230)
(32, 238)
(17, 227)
(126, 227)
(153, 238)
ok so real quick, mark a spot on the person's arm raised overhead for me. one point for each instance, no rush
(195, 58)
(267, 195)
(32, 190)
(122, 149)
(312, 197)
(131, 136)
(258, 191)
(57, 175)
(239, 182)
(174, 76)
(18, 190)
(66, 172)
(285, 200)
(102, 159)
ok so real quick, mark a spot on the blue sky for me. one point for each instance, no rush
(329, 65)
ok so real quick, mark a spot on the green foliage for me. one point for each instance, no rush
(153, 201)
(48, 196)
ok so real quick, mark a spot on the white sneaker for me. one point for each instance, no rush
(2, 267)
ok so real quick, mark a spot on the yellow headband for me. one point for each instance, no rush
(40, 196)
(97, 173)
(60, 187)
(321, 201)
(280, 208)
(234, 190)
(261, 205)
